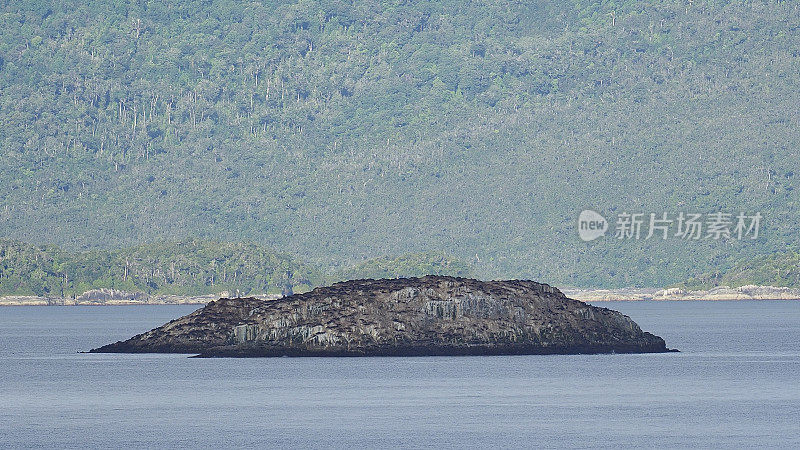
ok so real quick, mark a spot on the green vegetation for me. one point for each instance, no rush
(341, 131)
(781, 269)
(412, 265)
(189, 268)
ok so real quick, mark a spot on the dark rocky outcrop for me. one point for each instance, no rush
(432, 315)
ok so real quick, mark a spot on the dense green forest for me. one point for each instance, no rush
(340, 131)
(187, 268)
(780, 269)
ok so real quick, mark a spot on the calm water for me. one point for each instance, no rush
(735, 384)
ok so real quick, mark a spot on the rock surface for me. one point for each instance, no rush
(432, 315)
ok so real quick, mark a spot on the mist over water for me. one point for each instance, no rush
(735, 383)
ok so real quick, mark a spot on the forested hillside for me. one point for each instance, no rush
(779, 269)
(187, 268)
(342, 131)
(190, 268)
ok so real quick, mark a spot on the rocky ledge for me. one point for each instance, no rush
(432, 315)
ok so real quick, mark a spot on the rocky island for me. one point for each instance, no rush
(432, 315)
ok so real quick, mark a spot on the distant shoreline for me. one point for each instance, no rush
(111, 297)
(108, 297)
(721, 293)
(41, 301)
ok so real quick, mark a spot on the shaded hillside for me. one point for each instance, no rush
(779, 269)
(188, 268)
(343, 130)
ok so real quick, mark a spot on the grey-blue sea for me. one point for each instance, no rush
(736, 383)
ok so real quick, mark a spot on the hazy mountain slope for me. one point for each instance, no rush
(410, 265)
(343, 132)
